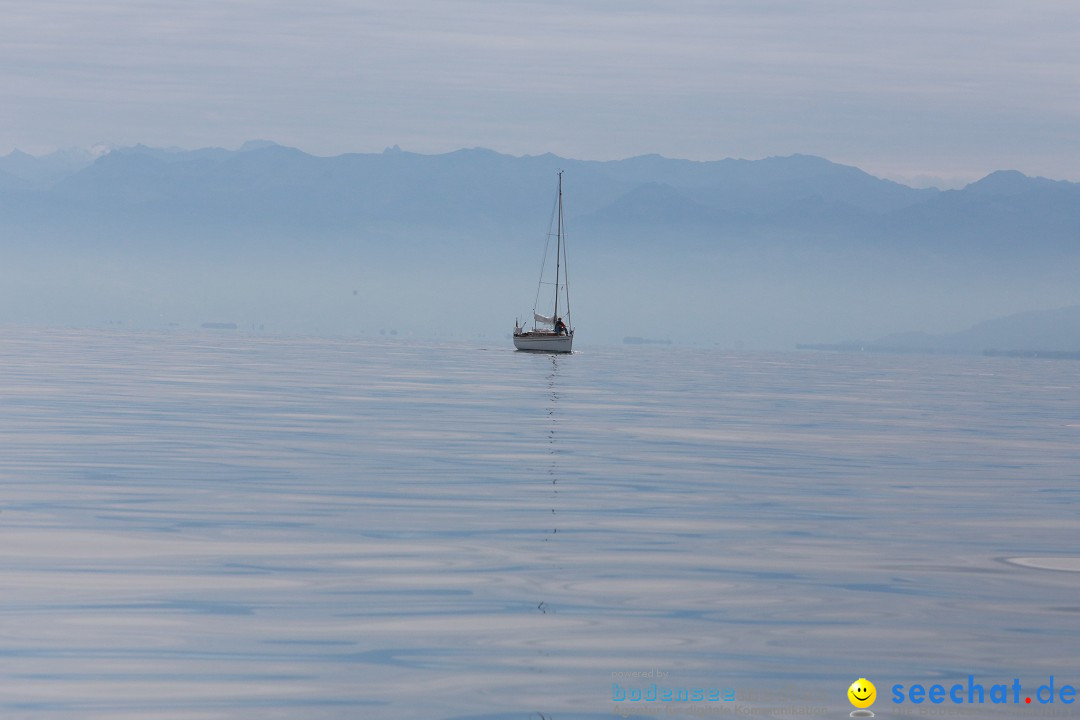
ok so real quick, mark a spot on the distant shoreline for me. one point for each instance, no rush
(895, 350)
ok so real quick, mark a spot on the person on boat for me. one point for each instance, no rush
(560, 327)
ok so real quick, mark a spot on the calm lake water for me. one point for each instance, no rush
(211, 525)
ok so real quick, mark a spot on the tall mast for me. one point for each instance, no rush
(558, 248)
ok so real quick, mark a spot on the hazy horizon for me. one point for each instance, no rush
(93, 152)
(763, 254)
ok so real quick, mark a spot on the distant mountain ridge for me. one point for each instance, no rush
(267, 184)
(786, 249)
(1056, 330)
(28, 171)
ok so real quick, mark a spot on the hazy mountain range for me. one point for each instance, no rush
(769, 252)
(265, 184)
(1056, 330)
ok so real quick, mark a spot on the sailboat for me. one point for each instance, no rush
(550, 333)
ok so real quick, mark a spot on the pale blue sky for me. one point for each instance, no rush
(909, 88)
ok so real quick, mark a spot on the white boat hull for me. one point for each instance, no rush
(544, 342)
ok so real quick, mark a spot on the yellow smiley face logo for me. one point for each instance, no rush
(862, 693)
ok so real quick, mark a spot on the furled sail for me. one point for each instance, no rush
(543, 319)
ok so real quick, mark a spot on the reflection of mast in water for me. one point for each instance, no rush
(553, 451)
(553, 448)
